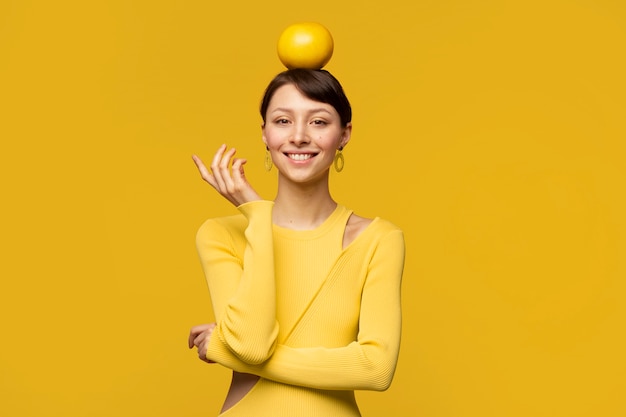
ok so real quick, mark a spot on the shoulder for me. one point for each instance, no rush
(387, 232)
(373, 230)
(387, 244)
(354, 227)
(356, 224)
(381, 247)
(387, 226)
(222, 228)
(381, 226)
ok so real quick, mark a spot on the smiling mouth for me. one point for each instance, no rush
(300, 156)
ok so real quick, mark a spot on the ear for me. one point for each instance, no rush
(263, 133)
(345, 136)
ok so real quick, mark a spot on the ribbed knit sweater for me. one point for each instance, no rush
(314, 320)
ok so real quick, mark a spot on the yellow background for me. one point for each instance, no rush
(492, 132)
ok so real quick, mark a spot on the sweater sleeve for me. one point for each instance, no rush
(242, 290)
(365, 364)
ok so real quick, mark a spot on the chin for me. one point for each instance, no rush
(306, 179)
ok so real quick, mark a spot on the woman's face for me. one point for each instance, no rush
(302, 135)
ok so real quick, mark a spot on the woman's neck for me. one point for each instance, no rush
(302, 207)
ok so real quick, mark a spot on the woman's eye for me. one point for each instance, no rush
(282, 121)
(319, 122)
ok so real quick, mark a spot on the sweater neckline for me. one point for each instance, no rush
(340, 213)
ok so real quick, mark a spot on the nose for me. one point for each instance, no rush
(300, 135)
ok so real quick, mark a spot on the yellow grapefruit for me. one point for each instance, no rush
(305, 45)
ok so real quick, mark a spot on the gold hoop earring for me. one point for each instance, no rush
(339, 161)
(268, 160)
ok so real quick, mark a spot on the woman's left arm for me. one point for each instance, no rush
(365, 364)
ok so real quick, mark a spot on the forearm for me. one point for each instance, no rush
(243, 288)
(358, 366)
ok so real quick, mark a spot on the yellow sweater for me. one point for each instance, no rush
(313, 320)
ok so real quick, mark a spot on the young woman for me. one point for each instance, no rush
(306, 294)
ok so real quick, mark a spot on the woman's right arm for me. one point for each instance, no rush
(242, 287)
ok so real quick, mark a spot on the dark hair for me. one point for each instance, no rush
(318, 85)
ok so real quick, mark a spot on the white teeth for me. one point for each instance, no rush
(300, 156)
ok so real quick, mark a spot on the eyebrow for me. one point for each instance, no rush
(287, 110)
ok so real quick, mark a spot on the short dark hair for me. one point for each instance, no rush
(318, 85)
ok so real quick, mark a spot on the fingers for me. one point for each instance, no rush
(200, 336)
(220, 170)
(198, 330)
(218, 174)
(203, 338)
(237, 170)
(227, 176)
(204, 171)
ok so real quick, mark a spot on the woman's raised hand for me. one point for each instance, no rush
(229, 180)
